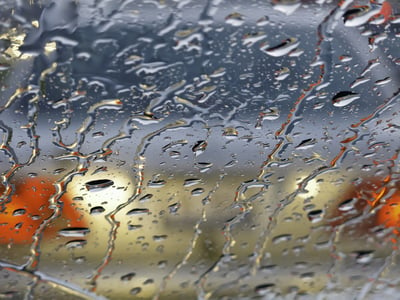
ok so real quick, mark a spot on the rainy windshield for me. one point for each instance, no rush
(164, 149)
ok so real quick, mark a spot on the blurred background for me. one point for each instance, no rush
(199, 149)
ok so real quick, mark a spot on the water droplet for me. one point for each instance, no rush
(80, 259)
(345, 58)
(148, 281)
(156, 183)
(347, 205)
(234, 19)
(359, 15)
(315, 216)
(359, 81)
(383, 81)
(197, 192)
(250, 39)
(230, 133)
(174, 154)
(135, 291)
(74, 232)
(306, 144)
(19, 212)
(307, 275)
(282, 74)
(128, 277)
(138, 211)
(160, 238)
(263, 289)
(75, 244)
(97, 210)
(203, 166)
(145, 198)
(282, 238)
(191, 181)
(344, 98)
(283, 48)
(173, 208)
(106, 104)
(262, 21)
(199, 147)
(287, 7)
(98, 184)
(364, 256)
(134, 227)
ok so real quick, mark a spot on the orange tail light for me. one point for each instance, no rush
(29, 207)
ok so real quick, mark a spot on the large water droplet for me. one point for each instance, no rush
(306, 144)
(98, 184)
(358, 15)
(199, 147)
(344, 98)
(283, 48)
(234, 19)
(97, 210)
(315, 216)
(138, 211)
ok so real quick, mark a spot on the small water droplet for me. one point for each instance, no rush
(282, 238)
(347, 205)
(364, 256)
(262, 21)
(134, 227)
(98, 184)
(282, 73)
(306, 144)
(345, 58)
(135, 291)
(230, 133)
(160, 238)
(145, 198)
(383, 81)
(263, 289)
(287, 7)
(74, 232)
(173, 208)
(197, 192)
(359, 81)
(80, 259)
(156, 183)
(283, 48)
(75, 244)
(174, 154)
(191, 181)
(315, 216)
(234, 19)
(97, 210)
(203, 166)
(128, 276)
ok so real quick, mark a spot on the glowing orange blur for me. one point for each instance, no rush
(29, 207)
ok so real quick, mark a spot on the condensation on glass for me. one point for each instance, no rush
(162, 149)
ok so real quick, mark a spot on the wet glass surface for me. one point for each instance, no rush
(162, 149)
